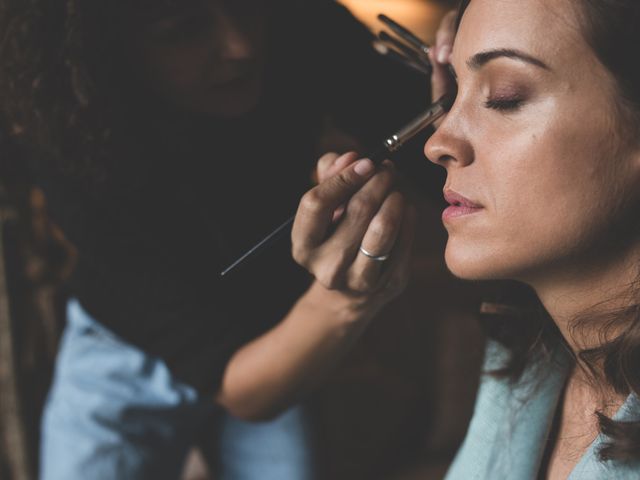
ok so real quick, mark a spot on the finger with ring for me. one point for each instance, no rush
(377, 244)
(377, 258)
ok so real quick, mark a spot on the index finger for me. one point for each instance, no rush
(315, 212)
(441, 79)
(331, 164)
(446, 33)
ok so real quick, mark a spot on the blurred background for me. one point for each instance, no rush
(419, 16)
(396, 409)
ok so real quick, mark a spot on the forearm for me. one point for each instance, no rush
(276, 369)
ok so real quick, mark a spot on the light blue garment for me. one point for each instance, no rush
(116, 413)
(511, 424)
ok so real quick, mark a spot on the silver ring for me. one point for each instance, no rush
(377, 258)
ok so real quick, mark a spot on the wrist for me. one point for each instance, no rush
(345, 307)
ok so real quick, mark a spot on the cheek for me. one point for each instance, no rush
(171, 71)
(549, 194)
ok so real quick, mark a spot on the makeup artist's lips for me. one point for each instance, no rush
(459, 206)
(234, 80)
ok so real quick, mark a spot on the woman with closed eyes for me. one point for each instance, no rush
(542, 153)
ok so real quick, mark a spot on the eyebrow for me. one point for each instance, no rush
(482, 58)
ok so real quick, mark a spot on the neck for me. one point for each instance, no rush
(589, 290)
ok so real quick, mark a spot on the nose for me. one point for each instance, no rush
(448, 146)
(234, 40)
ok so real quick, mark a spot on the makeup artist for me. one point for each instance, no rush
(168, 137)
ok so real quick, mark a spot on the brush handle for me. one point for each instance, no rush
(404, 33)
(377, 157)
(411, 53)
(267, 241)
(390, 145)
(407, 62)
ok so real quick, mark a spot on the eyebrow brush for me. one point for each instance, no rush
(389, 52)
(390, 145)
(404, 49)
(411, 56)
(405, 34)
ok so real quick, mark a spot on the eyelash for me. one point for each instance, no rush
(504, 104)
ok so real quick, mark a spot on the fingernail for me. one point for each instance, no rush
(341, 161)
(364, 167)
(443, 54)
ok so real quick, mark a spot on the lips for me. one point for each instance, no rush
(460, 206)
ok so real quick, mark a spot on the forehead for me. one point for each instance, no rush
(548, 29)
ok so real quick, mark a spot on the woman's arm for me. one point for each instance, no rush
(276, 369)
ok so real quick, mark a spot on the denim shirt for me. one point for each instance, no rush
(511, 424)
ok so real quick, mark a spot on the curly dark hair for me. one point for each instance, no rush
(45, 88)
(65, 89)
(612, 29)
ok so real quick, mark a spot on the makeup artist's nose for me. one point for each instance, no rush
(233, 39)
(447, 147)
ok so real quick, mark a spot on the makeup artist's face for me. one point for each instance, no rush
(533, 142)
(202, 56)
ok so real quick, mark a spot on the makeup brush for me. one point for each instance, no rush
(415, 52)
(406, 50)
(405, 34)
(394, 55)
(390, 145)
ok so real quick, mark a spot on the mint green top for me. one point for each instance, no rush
(511, 423)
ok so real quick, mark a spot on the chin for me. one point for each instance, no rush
(473, 263)
(232, 102)
(465, 268)
(231, 107)
(236, 102)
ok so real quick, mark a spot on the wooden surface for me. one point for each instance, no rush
(14, 455)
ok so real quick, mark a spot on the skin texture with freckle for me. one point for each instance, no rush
(551, 173)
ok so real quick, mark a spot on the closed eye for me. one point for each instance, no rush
(504, 104)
